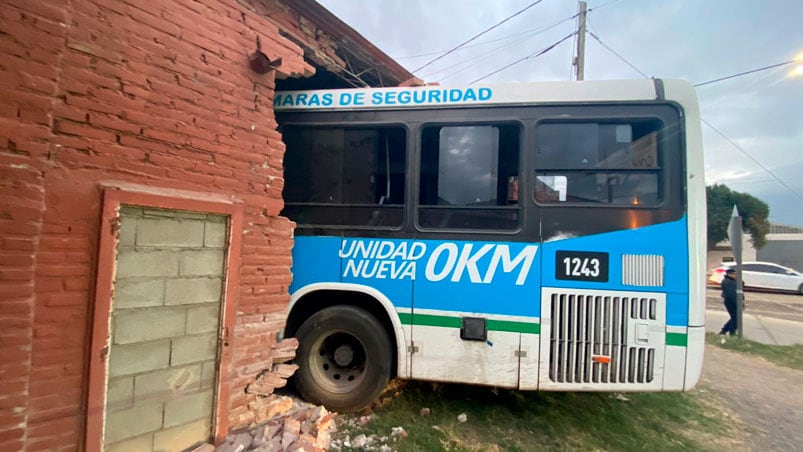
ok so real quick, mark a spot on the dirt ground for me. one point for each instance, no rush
(764, 402)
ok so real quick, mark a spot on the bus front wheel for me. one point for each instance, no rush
(344, 358)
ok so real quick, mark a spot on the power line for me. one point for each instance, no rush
(473, 59)
(751, 71)
(603, 5)
(593, 35)
(529, 33)
(719, 132)
(521, 38)
(734, 144)
(532, 55)
(481, 33)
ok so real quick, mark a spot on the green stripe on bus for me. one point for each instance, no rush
(514, 327)
(456, 322)
(677, 339)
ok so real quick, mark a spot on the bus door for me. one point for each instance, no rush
(471, 309)
(472, 296)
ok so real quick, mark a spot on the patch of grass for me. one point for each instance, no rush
(782, 355)
(505, 420)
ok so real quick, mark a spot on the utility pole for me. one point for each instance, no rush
(580, 59)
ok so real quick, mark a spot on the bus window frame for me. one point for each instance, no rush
(416, 172)
(662, 169)
(408, 130)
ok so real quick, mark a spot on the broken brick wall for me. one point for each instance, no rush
(153, 93)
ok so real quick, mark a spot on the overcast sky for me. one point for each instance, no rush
(696, 40)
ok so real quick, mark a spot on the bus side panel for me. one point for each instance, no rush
(387, 265)
(667, 240)
(493, 283)
(647, 260)
(315, 260)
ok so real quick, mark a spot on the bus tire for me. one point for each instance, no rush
(344, 358)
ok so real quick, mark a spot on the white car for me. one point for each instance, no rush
(763, 275)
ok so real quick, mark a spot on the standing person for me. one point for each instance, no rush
(729, 297)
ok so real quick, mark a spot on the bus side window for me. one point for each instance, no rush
(611, 162)
(345, 176)
(469, 177)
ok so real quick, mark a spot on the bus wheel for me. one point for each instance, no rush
(344, 358)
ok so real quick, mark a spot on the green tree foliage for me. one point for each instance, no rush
(754, 213)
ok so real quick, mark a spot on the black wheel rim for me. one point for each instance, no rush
(337, 362)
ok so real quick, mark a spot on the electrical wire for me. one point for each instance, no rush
(608, 48)
(532, 55)
(719, 132)
(531, 32)
(603, 5)
(734, 144)
(480, 34)
(751, 71)
(472, 61)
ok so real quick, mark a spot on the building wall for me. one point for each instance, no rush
(153, 93)
(723, 253)
(783, 249)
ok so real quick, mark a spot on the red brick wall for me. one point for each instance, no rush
(156, 93)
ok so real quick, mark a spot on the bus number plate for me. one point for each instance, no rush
(581, 266)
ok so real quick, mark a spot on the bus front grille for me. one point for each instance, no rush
(598, 339)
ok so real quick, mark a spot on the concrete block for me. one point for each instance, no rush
(180, 438)
(132, 264)
(128, 231)
(144, 442)
(142, 325)
(187, 215)
(119, 393)
(215, 234)
(159, 213)
(192, 290)
(138, 293)
(130, 211)
(169, 232)
(202, 262)
(132, 422)
(188, 408)
(193, 349)
(134, 358)
(167, 383)
(203, 319)
(208, 374)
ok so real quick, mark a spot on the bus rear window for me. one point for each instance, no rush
(615, 162)
(344, 176)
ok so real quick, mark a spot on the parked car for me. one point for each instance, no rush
(762, 275)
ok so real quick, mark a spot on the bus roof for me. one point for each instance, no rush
(503, 94)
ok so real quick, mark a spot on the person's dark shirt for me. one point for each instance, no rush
(728, 288)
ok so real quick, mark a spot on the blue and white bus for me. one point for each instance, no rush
(539, 236)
